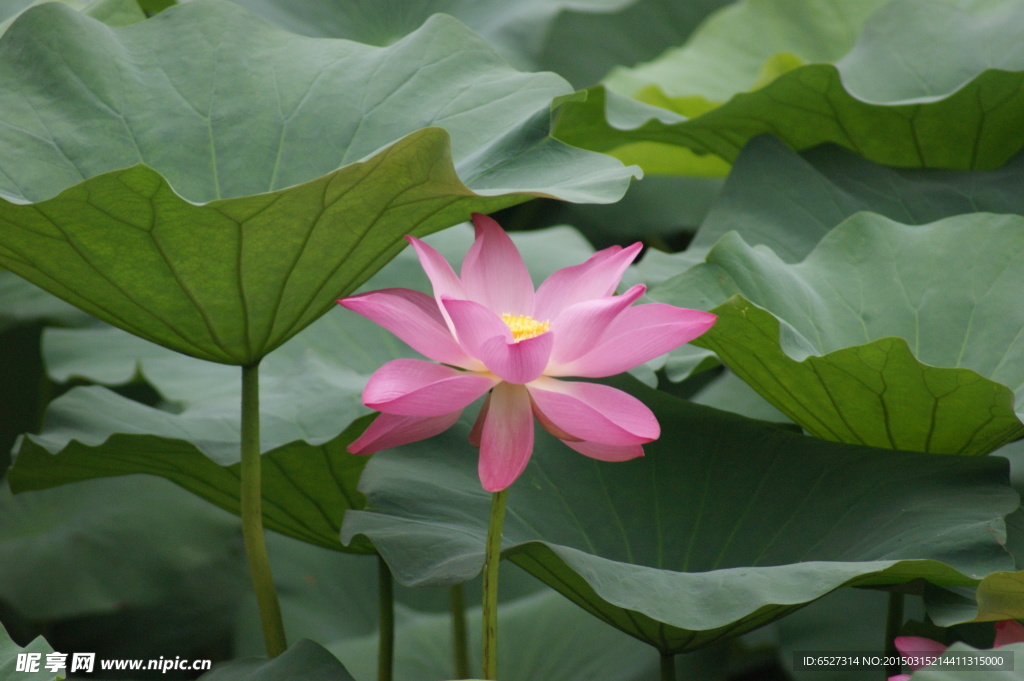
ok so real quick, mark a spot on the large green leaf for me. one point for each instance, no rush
(905, 337)
(213, 184)
(307, 488)
(127, 568)
(893, 98)
(315, 585)
(999, 596)
(540, 637)
(579, 39)
(114, 545)
(725, 525)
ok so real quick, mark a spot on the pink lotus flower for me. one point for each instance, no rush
(1007, 632)
(492, 333)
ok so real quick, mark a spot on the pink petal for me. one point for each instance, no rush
(594, 413)
(474, 324)
(595, 278)
(506, 439)
(416, 319)
(392, 430)
(900, 677)
(578, 328)
(1007, 632)
(478, 426)
(911, 646)
(442, 277)
(413, 387)
(637, 335)
(493, 272)
(550, 425)
(517, 362)
(484, 336)
(606, 452)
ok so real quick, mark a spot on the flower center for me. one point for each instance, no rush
(524, 326)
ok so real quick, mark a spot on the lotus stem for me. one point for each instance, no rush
(386, 649)
(893, 622)
(668, 667)
(460, 632)
(492, 557)
(252, 516)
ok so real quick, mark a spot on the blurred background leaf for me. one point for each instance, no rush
(303, 660)
(581, 40)
(779, 67)
(132, 567)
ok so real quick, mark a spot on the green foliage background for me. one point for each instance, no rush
(838, 180)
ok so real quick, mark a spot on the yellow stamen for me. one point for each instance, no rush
(524, 326)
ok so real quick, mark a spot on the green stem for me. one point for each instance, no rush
(491, 559)
(893, 622)
(252, 516)
(460, 632)
(386, 649)
(668, 667)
